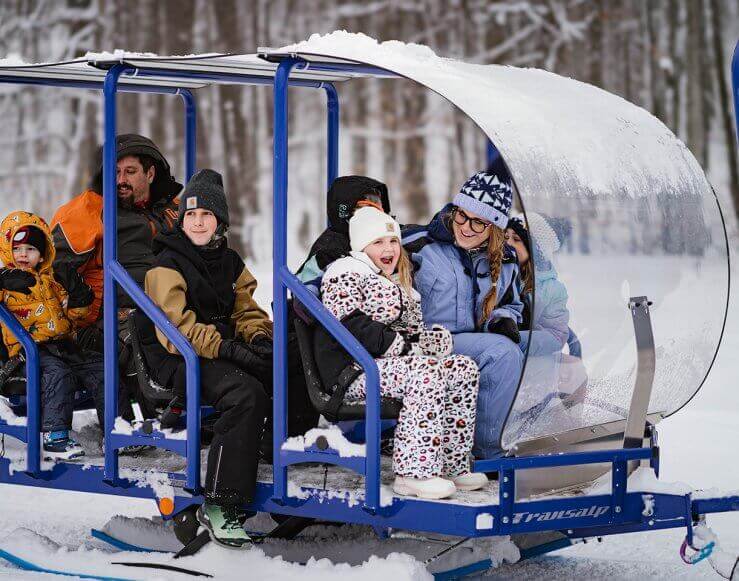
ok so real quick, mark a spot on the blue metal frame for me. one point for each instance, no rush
(614, 513)
(735, 87)
(31, 433)
(284, 279)
(114, 273)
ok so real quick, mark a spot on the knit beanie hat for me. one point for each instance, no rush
(547, 232)
(32, 236)
(205, 191)
(368, 224)
(489, 194)
(516, 224)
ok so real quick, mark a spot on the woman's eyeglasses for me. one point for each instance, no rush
(478, 226)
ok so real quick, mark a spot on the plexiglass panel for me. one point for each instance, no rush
(606, 249)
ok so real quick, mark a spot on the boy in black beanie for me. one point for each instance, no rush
(205, 289)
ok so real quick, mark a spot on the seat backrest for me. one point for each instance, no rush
(304, 334)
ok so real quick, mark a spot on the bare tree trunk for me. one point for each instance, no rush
(696, 134)
(724, 90)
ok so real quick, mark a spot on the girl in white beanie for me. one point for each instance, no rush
(370, 292)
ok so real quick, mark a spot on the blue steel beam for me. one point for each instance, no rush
(735, 86)
(114, 274)
(239, 79)
(110, 256)
(93, 85)
(372, 422)
(279, 262)
(569, 459)
(332, 133)
(33, 391)
(191, 119)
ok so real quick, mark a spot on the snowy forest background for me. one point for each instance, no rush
(671, 57)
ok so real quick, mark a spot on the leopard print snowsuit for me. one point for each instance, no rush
(436, 425)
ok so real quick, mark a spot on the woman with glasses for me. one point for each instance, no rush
(467, 279)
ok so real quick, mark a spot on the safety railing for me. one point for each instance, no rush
(31, 432)
(116, 274)
(283, 280)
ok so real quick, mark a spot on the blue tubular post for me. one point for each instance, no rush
(332, 137)
(490, 152)
(735, 86)
(284, 279)
(110, 256)
(33, 390)
(279, 258)
(192, 369)
(114, 273)
(368, 364)
(190, 133)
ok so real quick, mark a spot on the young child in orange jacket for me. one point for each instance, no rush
(47, 304)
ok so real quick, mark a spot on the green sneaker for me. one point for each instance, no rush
(225, 524)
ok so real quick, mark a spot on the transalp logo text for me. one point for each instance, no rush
(593, 511)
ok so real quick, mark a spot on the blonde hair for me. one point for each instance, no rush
(404, 271)
(496, 240)
(526, 277)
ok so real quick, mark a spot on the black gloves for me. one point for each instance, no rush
(506, 327)
(262, 346)
(80, 294)
(16, 280)
(240, 354)
(90, 338)
(171, 415)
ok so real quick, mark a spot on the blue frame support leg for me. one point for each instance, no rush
(279, 257)
(110, 256)
(735, 86)
(33, 391)
(116, 274)
(191, 119)
(332, 133)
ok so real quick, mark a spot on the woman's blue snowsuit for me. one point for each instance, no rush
(453, 284)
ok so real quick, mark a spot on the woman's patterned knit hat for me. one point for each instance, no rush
(489, 194)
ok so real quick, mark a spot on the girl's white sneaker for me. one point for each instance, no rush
(470, 481)
(429, 488)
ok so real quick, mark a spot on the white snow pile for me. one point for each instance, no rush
(125, 428)
(7, 415)
(12, 60)
(334, 437)
(120, 54)
(219, 562)
(560, 137)
(143, 532)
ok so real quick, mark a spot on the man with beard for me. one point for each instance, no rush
(146, 205)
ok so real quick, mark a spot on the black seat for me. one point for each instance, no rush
(348, 410)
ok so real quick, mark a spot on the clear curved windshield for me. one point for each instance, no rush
(591, 253)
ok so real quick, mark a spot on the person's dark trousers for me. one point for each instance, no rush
(301, 415)
(57, 391)
(63, 363)
(64, 370)
(233, 456)
(91, 339)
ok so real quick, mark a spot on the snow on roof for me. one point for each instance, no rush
(557, 135)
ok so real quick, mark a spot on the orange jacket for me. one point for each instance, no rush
(43, 313)
(77, 228)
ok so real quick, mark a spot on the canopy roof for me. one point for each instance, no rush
(643, 221)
